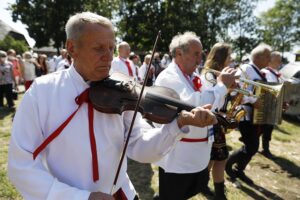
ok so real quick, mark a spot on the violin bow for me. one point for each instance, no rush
(134, 116)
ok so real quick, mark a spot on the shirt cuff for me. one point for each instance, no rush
(174, 129)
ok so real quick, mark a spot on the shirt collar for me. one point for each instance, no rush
(123, 59)
(251, 63)
(80, 83)
(191, 77)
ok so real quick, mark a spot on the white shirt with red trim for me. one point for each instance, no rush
(189, 157)
(271, 77)
(207, 85)
(247, 71)
(63, 170)
(118, 65)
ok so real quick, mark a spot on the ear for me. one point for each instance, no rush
(70, 48)
(178, 52)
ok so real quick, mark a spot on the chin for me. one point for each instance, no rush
(100, 76)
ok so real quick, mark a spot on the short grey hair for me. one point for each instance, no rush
(123, 44)
(3, 53)
(27, 55)
(147, 57)
(275, 54)
(260, 50)
(182, 41)
(76, 23)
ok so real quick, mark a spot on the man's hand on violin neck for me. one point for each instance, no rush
(227, 76)
(199, 116)
(100, 196)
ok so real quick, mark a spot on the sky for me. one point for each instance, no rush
(5, 15)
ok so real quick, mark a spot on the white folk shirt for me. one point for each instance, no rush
(63, 64)
(207, 85)
(271, 77)
(247, 71)
(118, 65)
(29, 71)
(64, 169)
(188, 157)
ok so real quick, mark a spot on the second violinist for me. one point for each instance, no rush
(183, 172)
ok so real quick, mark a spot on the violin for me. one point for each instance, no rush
(119, 93)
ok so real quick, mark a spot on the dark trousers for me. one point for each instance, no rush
(267, 130)
(250, 136)
(6, 90)
(181, 186)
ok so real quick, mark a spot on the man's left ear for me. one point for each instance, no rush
(178, 52)
(70, 48)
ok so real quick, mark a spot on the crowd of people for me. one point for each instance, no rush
(64, 147)
(23, 69)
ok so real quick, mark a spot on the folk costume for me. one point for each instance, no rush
(84, 154)
(183, 171)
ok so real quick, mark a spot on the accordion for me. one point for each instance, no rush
(270, 111)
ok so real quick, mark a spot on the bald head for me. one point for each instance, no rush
(124, 50)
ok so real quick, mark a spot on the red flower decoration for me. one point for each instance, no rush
(197, 83)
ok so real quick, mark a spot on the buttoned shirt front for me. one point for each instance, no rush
(64, 169)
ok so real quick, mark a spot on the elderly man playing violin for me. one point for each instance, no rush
(62, 148)
(183, 171)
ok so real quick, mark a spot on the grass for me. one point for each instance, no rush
(7, 191)
(274, 179)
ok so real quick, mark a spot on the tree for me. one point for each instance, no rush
(243, 25)
(8, 42)
(139, 24)
(281, 24)
(210, 19)
(46, 19)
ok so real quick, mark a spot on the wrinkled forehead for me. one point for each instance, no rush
(97, 33)
(194, 46)
(124, 47)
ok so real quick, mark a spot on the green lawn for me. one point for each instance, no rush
(274, 179)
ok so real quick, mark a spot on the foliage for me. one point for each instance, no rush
(46, 19)
(281, 24)
(9, 42)
(141, 20)
(243, 24)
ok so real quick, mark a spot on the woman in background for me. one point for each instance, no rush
(43, 66)
(218, 58)
(27, 65)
